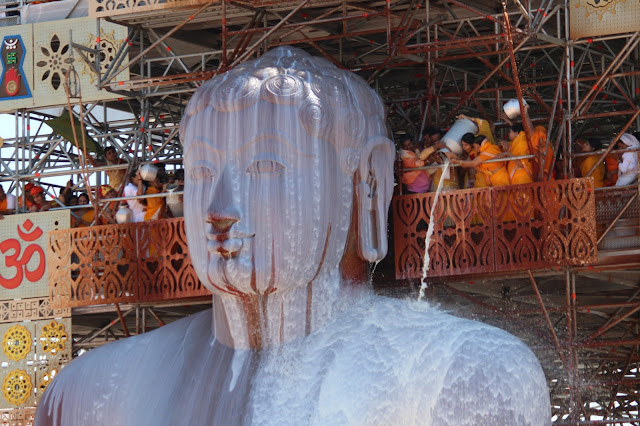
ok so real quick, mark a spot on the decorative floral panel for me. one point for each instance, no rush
(601, 17)
(54, 56)
(482, 231)
(32, 354)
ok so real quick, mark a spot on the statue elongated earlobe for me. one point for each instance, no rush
(374, 188)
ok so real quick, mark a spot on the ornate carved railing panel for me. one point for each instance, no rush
(546, 224)
(481, 231)
(121, 264)
(462, 236)
(164, 264)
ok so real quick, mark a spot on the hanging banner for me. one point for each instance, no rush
(590, 18)
(23, 247)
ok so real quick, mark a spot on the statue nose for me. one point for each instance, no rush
(221, 223)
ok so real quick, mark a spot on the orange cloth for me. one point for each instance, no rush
(410, 160)
(496, 172)
(598, 174)
(612, 170)
(484, 129)
(538, 142)
(480, 179)
(116, 177)
(519, 174)
(3, 205)
(86, 215)
(155, 205)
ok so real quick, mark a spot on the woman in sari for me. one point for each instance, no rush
(520, 170)
(495, 172)
(585, 164)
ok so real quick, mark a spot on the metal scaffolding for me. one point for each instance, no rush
(430, 61)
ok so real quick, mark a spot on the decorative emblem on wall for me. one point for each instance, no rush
(108, 48)
(17, 342)
(17, 387)
(13, 84)
(53, 338)
(56, 63)
(599, 7)
(46, 379)
(18, 260)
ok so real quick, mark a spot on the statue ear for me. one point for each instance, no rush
(374, 188)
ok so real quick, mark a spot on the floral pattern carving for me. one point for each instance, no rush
(57, 62)
(17, 387)
(53, 338)
(108, 48)
(17, 342)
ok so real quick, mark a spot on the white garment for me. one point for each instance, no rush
(628, 169)
(11, 202)
(136, 206)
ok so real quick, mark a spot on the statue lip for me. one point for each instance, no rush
(226, 244)
(224, 236)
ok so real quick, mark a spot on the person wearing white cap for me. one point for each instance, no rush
(628, 167)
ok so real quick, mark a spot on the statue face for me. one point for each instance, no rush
(260, 202)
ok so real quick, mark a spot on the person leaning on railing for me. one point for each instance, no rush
(495, 172)
(416, 181)
(85, 216)
(133, 188)
(156, 206)
(585, 164)
(520, 170)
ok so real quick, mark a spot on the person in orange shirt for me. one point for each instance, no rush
(108, 211)
(495, 172)
(7, 203)
(520, 170)
(416, 181)
(611, 162)
(585, 164)
(156, 206)
(83, 217)
(40, 204)
(28, 199)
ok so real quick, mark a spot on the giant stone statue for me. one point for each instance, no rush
(285, 156)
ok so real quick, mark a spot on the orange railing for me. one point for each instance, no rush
(131, 263)
(489, 230)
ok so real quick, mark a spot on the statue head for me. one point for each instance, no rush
(274, 150)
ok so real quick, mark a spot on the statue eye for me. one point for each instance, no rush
(201, 173)
(265, 167)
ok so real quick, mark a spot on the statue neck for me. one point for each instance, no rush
(256, 322)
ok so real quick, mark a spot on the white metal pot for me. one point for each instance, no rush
(124, 214)
(148, 172)
(512, 108)
(453, 138)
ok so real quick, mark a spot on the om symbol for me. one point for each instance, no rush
(19, 262)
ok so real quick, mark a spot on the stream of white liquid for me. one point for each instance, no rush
(427, 238)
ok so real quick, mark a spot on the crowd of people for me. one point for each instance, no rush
(90, 206)
(479, 165)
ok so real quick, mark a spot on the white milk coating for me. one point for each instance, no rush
(277, 154)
